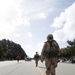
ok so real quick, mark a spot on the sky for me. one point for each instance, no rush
(28, 22)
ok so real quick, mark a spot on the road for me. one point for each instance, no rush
(29, 68)
(65, 69)
(21, 68)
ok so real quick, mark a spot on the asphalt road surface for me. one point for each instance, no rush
(29, 68)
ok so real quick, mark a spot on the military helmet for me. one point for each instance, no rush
(50, 37)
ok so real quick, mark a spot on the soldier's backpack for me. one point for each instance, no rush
(36, 56)
(52, 52)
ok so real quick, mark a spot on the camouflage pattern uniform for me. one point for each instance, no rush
(18, 58)
(51, 62)
(36, 57)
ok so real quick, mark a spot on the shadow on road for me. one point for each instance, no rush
(41, 67)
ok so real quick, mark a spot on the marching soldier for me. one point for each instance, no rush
(36, 57)
(18, 58)
(49, 54)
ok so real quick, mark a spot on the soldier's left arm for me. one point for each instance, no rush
(56, 45)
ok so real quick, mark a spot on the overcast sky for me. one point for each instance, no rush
(28, 22)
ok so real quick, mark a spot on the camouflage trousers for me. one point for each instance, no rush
(36, 62)
(50, 64)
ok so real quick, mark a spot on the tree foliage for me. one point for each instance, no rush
(69, 50)
(10, 50)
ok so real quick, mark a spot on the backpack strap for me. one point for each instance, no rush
(50, 42)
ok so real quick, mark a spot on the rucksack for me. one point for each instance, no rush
(36, 56)
(52, 52)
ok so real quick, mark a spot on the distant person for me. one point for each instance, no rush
(18, 58)
(36, 58)
(49, 54)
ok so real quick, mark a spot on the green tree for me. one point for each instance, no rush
(69, 50)
(9, 49)
(72, 47)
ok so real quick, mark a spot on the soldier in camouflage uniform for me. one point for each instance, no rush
(50, 59)
(18, 58)
(36, 57)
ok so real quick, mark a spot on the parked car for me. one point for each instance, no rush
(73, 61)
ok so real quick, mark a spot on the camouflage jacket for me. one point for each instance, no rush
(47, 47)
